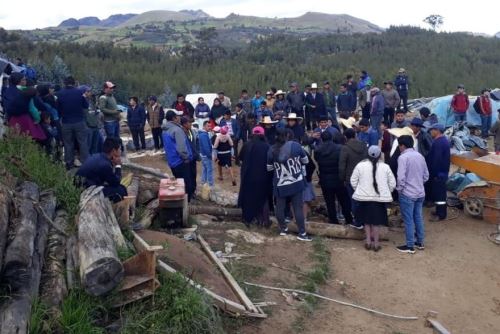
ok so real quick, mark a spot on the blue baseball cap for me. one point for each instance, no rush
(437, 126)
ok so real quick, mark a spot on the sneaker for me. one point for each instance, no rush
(304, 237)
(284, 232)
(419, 246)
(405, 249)
(288, 220)
(356, 226)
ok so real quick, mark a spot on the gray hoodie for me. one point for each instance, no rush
(176, 132)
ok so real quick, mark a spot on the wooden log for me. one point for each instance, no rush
(337, 231)
(149, 213)
(71, 267)
(5, 206)
(133, 192)
(54, 288)
(99, 237)
(148, 188)
(227, 275)
(214, 211)
(144, 169)
(19, 252)
(16, 311)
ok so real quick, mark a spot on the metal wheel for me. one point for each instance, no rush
(474, 207)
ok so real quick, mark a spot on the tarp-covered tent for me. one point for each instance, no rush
(441, 107)
(7, 67)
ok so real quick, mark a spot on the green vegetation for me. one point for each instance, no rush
(40, 321)
(316, 277)
(25, 159)
(177, 308)
(436, 62)
(79, 314)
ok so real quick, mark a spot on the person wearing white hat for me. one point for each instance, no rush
(270, 100)
(293, 123)
(270, 129)
(315, 107)
(280, 103)
(373, 183)
(402, 83)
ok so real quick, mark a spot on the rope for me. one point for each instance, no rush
(335, 301)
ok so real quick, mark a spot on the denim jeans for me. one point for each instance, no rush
(94, 141)
(411, 210)
(350, 192)
(112, 128)
(485, 125)
(375, 121)
(75, 132)
(207, 171)
(459, 117)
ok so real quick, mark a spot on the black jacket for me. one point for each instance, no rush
(327, 156)
(351, 154)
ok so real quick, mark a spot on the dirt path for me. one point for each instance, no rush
(458, 275)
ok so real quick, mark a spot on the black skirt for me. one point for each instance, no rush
(224, 159)
(371, 213)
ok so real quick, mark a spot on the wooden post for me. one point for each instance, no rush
(336, 231)
(5, 205)
(227, 275)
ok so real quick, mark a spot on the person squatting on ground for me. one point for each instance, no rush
(412, 175)
(373, 183)
(104, 170)
(288, 160)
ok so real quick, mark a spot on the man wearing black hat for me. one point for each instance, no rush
(438, 161)
(424, 140)
(391, 101)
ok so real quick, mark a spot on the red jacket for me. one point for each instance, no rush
(460, 103)
(485, 104)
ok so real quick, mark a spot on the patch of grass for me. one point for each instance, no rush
(79, 314)
(25, 159)
(41, 320)
(242, 272)
(314, 278)
(177, 308)
(125, 253)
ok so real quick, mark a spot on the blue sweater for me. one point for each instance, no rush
(71, 105)
(438, 159)
(205, 144)
(136, 118)
(98, 171)
(370, 137)
(288, 166)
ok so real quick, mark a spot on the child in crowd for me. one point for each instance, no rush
(224, 147)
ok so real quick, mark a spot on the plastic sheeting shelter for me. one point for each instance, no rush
(7, 67)
(441, 107)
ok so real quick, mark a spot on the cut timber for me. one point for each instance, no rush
(53, 288)
(437, 327)
(336, 231)
(141, 245)
(5, 205)
(133, 192)
(140, 168)
(214, 211)
(227, 275)
(16, 311)
(19, 252)
(99, 236)
(149, 213)
(71, 266)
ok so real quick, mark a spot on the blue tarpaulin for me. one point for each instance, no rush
(441, 107)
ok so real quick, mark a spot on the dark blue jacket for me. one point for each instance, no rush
(345, 102)
(378, 105)
(402, 83)
(205, 144)
(16, 104)
(136, 118)
(317, 101)
(281, 105)
(176, 144)
(333, 131)
(202, 111)
(370, 137)
(234, 125)
(98, 171)
(71, 105)
(296, 102)
(438, 159)
(288, 166)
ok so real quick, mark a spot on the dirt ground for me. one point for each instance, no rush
(458, 275)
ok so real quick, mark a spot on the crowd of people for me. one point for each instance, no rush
(360, 143)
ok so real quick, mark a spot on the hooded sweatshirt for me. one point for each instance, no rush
(351, 154)
(176, 143)
(327, 155)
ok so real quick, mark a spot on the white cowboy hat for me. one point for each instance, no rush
(293, 116)
(267, 120)
(398, 132)
(279, 92)
(314, 85)
(348, 123)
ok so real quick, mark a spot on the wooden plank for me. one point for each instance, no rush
(141, 245)
(223, 303)
(437, 327)
(227, 275)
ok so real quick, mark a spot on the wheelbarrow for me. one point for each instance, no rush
(481, 199)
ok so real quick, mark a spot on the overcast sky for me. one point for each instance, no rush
(482, 17)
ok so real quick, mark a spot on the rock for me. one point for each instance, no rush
(250, 237)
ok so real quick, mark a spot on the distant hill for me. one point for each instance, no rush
(69, 23)
(89, 21)
(116, 20)
(92, 21)
(161, 16)
(196, 13)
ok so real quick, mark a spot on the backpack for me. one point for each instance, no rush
(477, 105)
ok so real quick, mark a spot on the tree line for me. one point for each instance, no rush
(435, 62)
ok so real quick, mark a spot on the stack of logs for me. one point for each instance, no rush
(42, 259)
